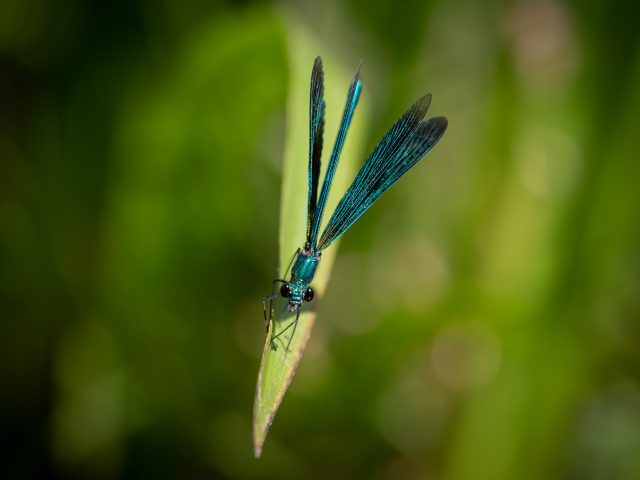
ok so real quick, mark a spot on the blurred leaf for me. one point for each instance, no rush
(279, 364)
(402, 37)
(189, 136)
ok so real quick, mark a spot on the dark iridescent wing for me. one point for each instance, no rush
(408, 140)
(316, 129)
(352, 101)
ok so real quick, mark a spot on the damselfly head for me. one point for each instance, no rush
(296, 293)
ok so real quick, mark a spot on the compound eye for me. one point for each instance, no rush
(285, 290)
(308, 294)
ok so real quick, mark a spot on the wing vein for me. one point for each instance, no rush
(352, 100)
(316, 131)
(406, 142)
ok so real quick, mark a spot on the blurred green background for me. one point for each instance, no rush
(482, 321)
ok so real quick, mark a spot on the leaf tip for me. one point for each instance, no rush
(257, 450)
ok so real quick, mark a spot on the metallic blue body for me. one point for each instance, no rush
(303, 270)
(408, 140)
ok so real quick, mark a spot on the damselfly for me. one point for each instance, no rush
(406, 142)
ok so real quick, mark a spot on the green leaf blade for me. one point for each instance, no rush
(279, 364)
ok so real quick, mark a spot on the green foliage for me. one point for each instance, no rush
(481, 321)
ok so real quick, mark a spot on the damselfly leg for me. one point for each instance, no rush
(274, 293)
(270, 298)
(293, 324)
